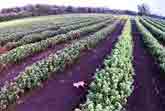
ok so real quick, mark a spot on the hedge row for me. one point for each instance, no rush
(113, 83)
(33, 75)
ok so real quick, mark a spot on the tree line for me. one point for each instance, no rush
(41, 10)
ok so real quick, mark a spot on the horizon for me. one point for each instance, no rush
(156, 6)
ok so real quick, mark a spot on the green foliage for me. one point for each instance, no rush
(41, 31)
(113, 83)
(154, 24)
(152, 45)
(160, 21)
(33, 75)
(19, 53)
(160, 35)
(51, 33)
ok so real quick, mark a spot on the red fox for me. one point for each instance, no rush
(79, 84)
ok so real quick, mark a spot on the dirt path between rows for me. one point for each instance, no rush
(58, 93)
(146, 96)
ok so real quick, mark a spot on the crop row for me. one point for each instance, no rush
(160, 35)
(34, 75)
(50, 33)
(113, 83)
(160, 21)
(156, 21)
(153, 46)
(31, 38)
(19, 53)
(33, 26)
(19, 36)
(154, 24)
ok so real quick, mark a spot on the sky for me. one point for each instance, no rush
(157, 6)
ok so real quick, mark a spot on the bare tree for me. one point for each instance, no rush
(144, 9)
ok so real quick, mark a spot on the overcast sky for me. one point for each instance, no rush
(157, 6)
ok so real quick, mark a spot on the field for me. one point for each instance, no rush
(82, 62)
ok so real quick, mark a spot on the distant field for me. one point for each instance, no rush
(82, 62)
(43, 19)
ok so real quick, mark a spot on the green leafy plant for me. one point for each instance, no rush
(113, 83)
(160, 35)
